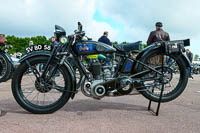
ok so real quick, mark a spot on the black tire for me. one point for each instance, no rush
(176, 91)
(28, 105)
(5, 68)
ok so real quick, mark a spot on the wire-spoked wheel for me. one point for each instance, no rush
(174, 83)
(43, 95)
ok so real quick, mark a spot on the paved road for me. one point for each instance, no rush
(110, 115)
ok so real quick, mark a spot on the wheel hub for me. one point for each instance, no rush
(167, 75)
(42, 86)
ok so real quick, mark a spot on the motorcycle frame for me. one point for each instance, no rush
(68, 51)
(81, 67)
(64, 55)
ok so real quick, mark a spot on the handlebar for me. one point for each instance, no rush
(79, 33)
(8, 46)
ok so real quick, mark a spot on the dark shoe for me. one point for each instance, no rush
(190, 76)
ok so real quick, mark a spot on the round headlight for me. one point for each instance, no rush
(63, 39)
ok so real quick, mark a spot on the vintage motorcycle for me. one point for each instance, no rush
(7, 63)
(48, 90)
(195, 68)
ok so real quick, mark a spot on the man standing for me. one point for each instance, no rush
(104, 39)
(189, 55)
(158, 35)
(31, 43)
(2, 39)
(155, 36)
(53, 41)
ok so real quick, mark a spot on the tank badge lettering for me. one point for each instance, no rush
(86, 48)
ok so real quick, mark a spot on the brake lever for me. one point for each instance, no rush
(8, 46)
(88, 38)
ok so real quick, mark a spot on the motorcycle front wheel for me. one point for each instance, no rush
(37, 96)
(174, 83)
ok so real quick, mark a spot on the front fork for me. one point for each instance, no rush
(43, 76)
(47, 65)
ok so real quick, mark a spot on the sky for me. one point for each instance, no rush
(125, 20)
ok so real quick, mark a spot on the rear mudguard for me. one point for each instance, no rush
(66, 63)
(155, 46)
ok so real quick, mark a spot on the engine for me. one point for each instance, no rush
(102, 81)
(100, 71)
(96, 70)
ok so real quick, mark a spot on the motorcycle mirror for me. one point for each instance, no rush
(79, 27)
(89, 38)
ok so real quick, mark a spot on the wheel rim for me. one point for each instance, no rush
(174, 79)
(33, 93)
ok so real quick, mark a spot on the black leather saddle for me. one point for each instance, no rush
(136, 46)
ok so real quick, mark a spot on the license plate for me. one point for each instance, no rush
(175, 45)
(38, 48)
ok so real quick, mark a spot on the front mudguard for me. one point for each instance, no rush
(156, 46)
(34, 54)
(66, 64)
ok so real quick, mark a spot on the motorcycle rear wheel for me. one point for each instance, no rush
(169, 94)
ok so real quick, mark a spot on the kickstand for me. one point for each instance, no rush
(161, 93)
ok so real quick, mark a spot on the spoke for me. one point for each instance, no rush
(170, 84)
(53, 98)
(25, 84)
(31, 79)
(29, 93)
(37, 99)
(158, 87)
(58, 81)
(35, 96)
(44, 99)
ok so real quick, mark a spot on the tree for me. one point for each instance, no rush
(114, 43)
(124, 42)
(196, 57)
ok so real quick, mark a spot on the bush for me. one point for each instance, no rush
(19, 44)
